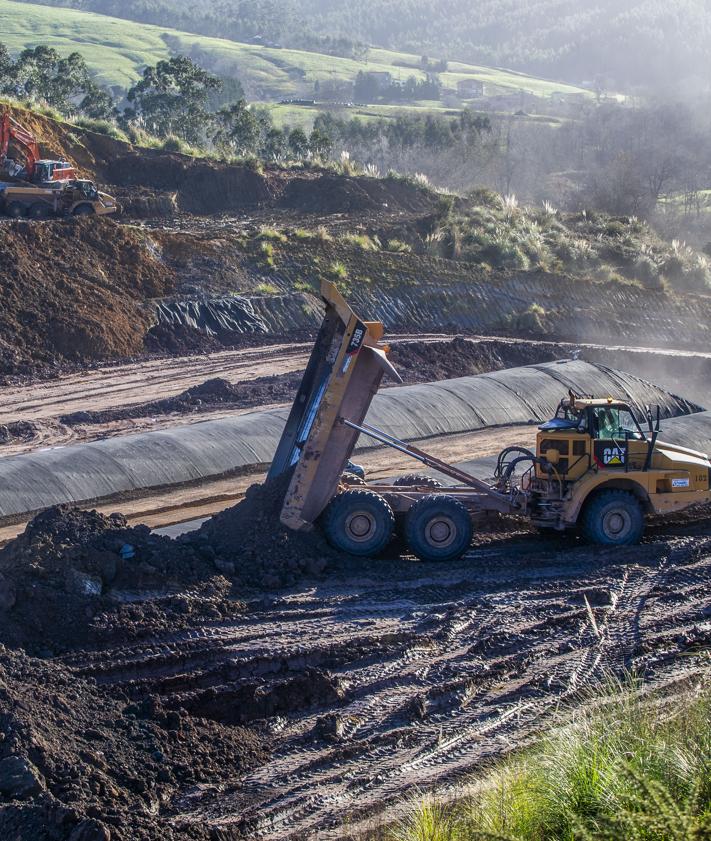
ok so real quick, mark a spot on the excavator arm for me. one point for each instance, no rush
(11, 130)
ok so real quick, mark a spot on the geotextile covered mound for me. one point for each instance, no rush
(78, 764)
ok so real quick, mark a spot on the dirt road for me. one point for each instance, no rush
(392, 676)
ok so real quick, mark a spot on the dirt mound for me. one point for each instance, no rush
(74, 290)
(200, 186)
(340, 194)
(17, 431)
(69, 579)
(250, 536)
(70, 565)
(421, 362)
(200, 398)
(78, 764)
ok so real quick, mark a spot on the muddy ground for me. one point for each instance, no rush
(208, 709)
(237, 683)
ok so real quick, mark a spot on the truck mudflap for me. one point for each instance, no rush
(341, 378)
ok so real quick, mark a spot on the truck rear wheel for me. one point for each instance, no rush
(417, 480)
(15, 209)
(38, 210)
(612, 518)
(359, 522)
(438, 528)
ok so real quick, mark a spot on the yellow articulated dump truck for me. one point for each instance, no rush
(78, 197)
(596, 468)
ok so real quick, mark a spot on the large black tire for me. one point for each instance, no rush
(416, 480)
(612, 518)
(353, 480)
(438, 528)
(38, 210)
(359, 522)
(83, 210)
(15, 209)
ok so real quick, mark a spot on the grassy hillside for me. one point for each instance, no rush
(624, 42)
(117, 49)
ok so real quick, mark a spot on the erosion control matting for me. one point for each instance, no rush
(199, 451)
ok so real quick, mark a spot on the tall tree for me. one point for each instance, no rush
(171, 99)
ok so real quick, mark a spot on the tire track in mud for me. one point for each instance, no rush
(391, 677)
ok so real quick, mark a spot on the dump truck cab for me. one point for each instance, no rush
(595, 447)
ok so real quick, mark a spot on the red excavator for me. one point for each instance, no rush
(35, 169)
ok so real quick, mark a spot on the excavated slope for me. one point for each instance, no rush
(75, 290)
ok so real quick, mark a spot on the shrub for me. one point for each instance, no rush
(266, 289)
(101, 127)
(398, 246)
(175, 144)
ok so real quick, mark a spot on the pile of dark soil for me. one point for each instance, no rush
(77, 578)
(341, 194)
(250, 536)
(74, 290)
(17, 431)
(421, 362)
(69, 566)
(180, 340)
(79, 764)
(200, 398)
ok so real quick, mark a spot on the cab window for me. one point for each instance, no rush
(611, 423)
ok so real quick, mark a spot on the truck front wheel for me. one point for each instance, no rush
(359, 522)
(438, 528)
(612, 518)
(83, 210)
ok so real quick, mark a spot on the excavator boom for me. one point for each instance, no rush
(11, 130)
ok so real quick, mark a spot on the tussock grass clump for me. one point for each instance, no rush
(266, 289)
(101, 127)
(500, 233)
(362, 241)
(337, 270)
(398, 246)
(624, 768)
(267, 233)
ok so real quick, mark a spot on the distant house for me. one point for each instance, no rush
(470, 88)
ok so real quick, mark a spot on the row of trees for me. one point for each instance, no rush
(41, 74)
(172, 99)
(368, 88)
